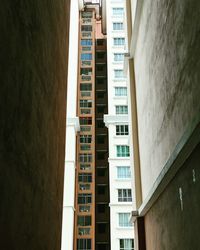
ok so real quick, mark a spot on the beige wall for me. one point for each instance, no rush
(167, 80)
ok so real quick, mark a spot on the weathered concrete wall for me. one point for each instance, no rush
(33, 74)
(170, 224)
(167, 71)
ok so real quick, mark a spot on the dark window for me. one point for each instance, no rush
(100, 94)
(101, 190)
(102, 247)
(86, 27)
(101, 208)
(85, 86)
(85, 120)
(85, 177)
(101, 228)
(100, 42)
(101, 139)
(84, 198)
(84, 221)
(101, 172)
(100, 155)
(84, 244)
(100, 123)
(100, 55)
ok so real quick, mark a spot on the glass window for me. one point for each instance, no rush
(86, 56)
(84, 244)
(86, 27)
(123, 172)
(85, 120)
(84, 186)
(85, 138)
(86, 177)
(124, 220)
(124, 195)
(86, 42)
(86, 14)
(122, 130)
(83, 231)
(121, 109)
(126, 244)
(119, 41)
(85, 103)
(84, 221)
(85, 166)
(84, 208)
(86, 86)
(122, 151)
(85, 157)
(118, 26)
(120, 91)
(84, 198)
(118, 11)
(118, 73)
(118, 57)
(101, 208)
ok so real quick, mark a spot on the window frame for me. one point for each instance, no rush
(124, 195)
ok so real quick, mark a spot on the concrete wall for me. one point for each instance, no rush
(174, 221)
(167, 76)
(33, 74)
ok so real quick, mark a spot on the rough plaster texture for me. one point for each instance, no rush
(174, 224)
(167, 71)
(33, 73)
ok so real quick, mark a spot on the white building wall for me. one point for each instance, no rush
(111, 121)
(71, 129)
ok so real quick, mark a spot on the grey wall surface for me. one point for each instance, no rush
(33, 74)
(174, 221)
(167, 67)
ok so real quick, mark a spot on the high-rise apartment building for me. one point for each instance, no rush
(117, 121)
(92, 216)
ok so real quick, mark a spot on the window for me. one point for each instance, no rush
(101, 208)
(86, 42)
(121, 109)
(101, 172)
(86, 71)
(85, 147)
(120, 91)
(84, 244)
(122, 151)
(118, 57)
(84, 221)
(83, 231)
(118, 26)
(101, 228)
(101, 190)
(85, 103)
(100, 109)
(100, 123)
(126, 244)
(123, 172)
(84, 186)
(85, 120)
(85, 157)
(85, 167)
(122, 130)
(118, 73)
(86, 56)
(100, 42)
(124, 195)
(118, 11)
(100, 55)
(100, 139)
(84, 198)
(124, 220)
(118, 41)
(85, 87)
(85, 177)
(84, 208)
(86, 14)
(101, 155)
(86, 28)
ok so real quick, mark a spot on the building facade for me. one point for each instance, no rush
(118, 123)
(72, 127)
(163, 67)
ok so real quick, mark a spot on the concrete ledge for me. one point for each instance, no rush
(184, 148)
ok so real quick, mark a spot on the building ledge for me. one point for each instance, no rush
(115, 119)
(73, 122)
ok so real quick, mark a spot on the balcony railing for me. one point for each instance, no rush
(85, 78)
(86, 34)
(85, 111)
(86, 63)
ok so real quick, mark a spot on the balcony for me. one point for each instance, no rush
(85, 93)
(86, 63)
(86, 34)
